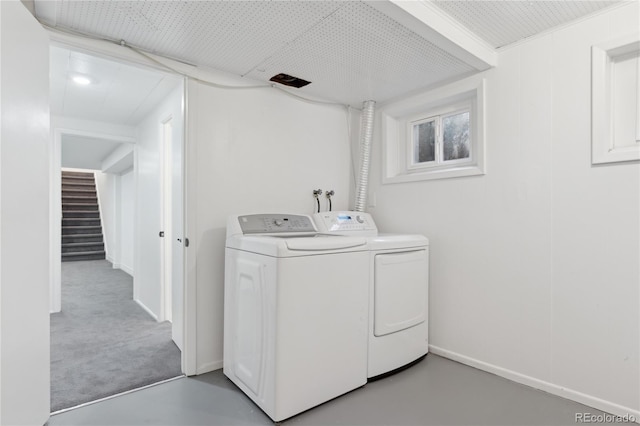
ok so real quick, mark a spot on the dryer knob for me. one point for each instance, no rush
(359, 219)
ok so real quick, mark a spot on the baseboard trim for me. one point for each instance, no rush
(147, 310)
(125, 268)
(122, 267)
(209, 366)
(573, 395)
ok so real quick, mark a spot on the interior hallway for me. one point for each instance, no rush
(103, 342)
(436, 391)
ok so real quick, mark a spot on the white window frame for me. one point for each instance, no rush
(411, 164)
(399, 117)
(439, 161)
(605, 148)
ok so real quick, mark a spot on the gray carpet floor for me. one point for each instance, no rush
(103, 343)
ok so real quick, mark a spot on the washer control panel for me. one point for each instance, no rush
(345, 222)
(275, 224)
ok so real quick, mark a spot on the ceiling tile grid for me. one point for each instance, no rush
(503, 22)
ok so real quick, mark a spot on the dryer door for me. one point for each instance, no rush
(400, 290)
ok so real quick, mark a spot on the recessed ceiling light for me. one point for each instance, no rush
(82, 80)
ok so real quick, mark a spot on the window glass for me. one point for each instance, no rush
(424, 139)
(455, 136)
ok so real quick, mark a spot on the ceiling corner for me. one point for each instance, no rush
(434, 25)
(45, 10)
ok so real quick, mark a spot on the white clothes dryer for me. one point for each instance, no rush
(295, 312)
(398, 290)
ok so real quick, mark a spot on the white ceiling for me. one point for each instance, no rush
(119, 93)
(83, 152)
(501, 23)
(350, 50)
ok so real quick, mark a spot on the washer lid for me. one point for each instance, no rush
(397, 241)
(324, 242)
(288, 246)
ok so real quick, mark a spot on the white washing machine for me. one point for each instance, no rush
(295, 312)
(398, 294)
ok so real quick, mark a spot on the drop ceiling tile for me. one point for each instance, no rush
(358, 53)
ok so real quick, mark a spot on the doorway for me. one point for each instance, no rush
(139, 186)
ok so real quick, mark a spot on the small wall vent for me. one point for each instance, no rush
(289, 80)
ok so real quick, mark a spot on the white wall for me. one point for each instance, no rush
(108, 202)
(252, 151)
(535, 272)
(116, 196)
(25, 156)
(126, 217)
(147, 280)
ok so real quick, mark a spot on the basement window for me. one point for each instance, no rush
(615, 100)
(440, 140)
(435, 135)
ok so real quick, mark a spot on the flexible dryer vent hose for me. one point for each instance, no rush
(366, 133)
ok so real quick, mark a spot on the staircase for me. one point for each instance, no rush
(81, 227)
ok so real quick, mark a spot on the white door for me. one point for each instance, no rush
(158, 281)
(167, 219)
(147, 279)
(24, 218)
(177, 230)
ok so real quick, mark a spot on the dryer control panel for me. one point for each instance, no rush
(275, 224)
(346, 223)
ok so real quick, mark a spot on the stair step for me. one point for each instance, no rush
(69, 187)
(85, 175)
(81, 221)
(78, 193)
(81, 238)
(82, 247)
(77, 180)
(68, 214)
(74, 180)
(74, 230)
(79, 199)
(80, 206)
(87, 255)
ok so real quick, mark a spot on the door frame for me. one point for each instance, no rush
(113, 52)
(55, 296)
(166, 217)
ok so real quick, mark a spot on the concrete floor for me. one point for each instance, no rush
(435, 391)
